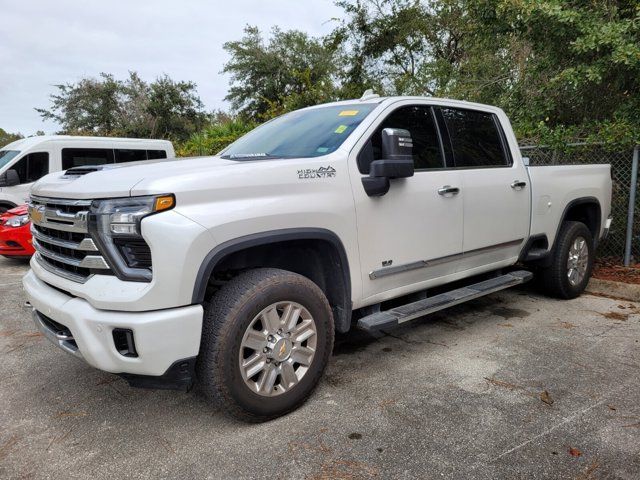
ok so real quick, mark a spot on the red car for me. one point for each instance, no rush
(15, 233)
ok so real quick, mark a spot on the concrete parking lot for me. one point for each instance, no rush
(513, 385)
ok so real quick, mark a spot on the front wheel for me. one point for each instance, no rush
(266, 340)
(572, 262)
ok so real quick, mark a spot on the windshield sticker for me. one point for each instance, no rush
(341, 129)
(322, 172)
(322, 149)
(348, 113)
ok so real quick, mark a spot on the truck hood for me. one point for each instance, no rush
(119, 180)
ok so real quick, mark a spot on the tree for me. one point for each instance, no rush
(578, 71)
(402, 47)
(561, 69)
(107, 106)
(290, 70)
(6, 137)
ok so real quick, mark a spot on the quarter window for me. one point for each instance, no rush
(130, 155)
(32, 167)
(155, 154)
(419, 121)
(476, 138)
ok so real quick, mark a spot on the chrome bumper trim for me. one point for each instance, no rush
(59, 339)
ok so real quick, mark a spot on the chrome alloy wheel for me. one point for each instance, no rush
(577, 261)
(277, 348)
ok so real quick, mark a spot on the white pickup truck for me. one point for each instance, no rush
(237, 270)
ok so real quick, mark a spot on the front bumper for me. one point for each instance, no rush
(163, 338)
(16, 241)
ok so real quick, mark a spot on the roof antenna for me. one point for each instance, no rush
(368, 94)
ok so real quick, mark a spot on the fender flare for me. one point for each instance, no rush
(221, 251)
(544, 260)
(569, 206)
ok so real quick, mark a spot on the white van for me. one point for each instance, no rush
(24, 161)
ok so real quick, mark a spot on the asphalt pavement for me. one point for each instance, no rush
(513, 385)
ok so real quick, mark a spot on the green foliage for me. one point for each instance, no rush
(578, 77)
(214, 137)
(6, 137)
(562, 70)
(128, 108)
(401, 47)
(288, 71)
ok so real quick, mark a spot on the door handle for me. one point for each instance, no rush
(518, 185)
(448, 190)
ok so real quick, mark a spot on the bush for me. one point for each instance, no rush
(213, 138)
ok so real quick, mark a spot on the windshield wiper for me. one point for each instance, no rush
(244, 156)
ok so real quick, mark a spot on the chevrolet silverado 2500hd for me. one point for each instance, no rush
(237, 270)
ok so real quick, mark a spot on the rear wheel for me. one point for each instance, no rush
(267, 336)
(572, 262)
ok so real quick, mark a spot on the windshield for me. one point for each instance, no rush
(6, 156)
(303, 133)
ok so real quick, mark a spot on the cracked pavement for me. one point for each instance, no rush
(514, 385)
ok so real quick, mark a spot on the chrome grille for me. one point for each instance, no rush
(61, 238)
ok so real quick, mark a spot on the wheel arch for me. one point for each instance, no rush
(586, 210)
(7, 204)
(316, 253)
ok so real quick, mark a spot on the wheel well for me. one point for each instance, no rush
(320, 260)
(7, 205)
(587, 212)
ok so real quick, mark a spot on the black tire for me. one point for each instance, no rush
(554, 278)
(228, 316)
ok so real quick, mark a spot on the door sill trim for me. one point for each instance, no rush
(406, 267)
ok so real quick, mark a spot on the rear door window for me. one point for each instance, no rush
(32, 167)
(476, 138)
(80, 157)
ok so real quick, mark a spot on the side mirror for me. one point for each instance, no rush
(9, 178)
(397, 162)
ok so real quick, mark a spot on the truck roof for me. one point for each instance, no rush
(393, 99)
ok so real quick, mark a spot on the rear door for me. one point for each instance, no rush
(496, 198)
(411, 236)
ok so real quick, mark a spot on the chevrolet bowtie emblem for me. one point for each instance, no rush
(36, 213)
(283, 350)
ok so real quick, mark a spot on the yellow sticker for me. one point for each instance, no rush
(341, 129)
(348, 113)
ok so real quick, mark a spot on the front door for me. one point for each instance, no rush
(412, 234)
(30, 169)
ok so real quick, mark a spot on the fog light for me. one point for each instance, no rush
(124, 343)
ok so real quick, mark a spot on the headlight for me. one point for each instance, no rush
(17, 221)
(115, 226)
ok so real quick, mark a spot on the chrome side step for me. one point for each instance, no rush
(411, 311)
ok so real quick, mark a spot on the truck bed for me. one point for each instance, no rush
(554, 187)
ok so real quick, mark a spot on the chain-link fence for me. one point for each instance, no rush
(621, 165)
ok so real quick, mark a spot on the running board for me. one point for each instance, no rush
(411, 311)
